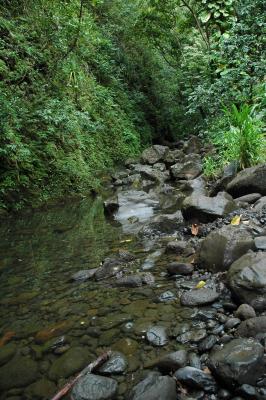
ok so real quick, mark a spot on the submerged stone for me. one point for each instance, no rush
(19, 372)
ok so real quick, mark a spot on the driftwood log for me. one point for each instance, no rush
(87, 370)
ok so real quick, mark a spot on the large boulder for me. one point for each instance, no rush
(205, 209)
(173, 156)
(154, 174)
(250, 180)
(154, 387)
(94, 387)
(252, 327)
(237, 362)
(247, 279)
(224, 246)
(165, 224)
(187, 170)
(260, 204)
(153, 154)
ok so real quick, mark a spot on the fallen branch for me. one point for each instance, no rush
(87, 370)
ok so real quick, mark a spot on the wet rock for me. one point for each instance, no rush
(176, 268)
(157, 335)
(154, 387)
(229, 173)
(247, 279)
(231, 323)
(19, 372)
(170, 362)
(176, 247)
(239, 361)
(206, 209)
(252, 327)
(249, 198)
(245, 311)
(52, 331)
(130, 281)
(250, 180)
(126, 346)
(198, 297)
(167, 296)
(94, 387)
(117, 364)
(196, 378)
(111, 206)
(208, 343)
(173, 156)
(153, 154)
(7, 352)
(260, 204)
(186, 170)
(74, 360)
(260, 243)
(152, 173)
(193, 336)
(248, 392)
(84, 275)
(162, 225)
(224, 246)
(194, 360)
(195, 186)
(42, 389)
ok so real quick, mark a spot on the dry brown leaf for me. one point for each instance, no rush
(194, 229)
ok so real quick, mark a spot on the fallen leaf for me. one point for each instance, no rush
(194, 229)
(6, 338)
(200, 285)
(236, 220)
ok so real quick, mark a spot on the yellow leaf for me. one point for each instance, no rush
(236, 220)
(200, 285)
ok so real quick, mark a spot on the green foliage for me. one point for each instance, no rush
(238, 137)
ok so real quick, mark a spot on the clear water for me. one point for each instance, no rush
(41, 250)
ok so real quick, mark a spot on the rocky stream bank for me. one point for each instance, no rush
(179, 297)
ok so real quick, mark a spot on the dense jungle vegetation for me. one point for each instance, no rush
(85, 84)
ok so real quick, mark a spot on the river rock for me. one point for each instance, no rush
(195, 186)
(245, 311)
(199, 297)
(260, 204)
(176, 268)
(250, 180)
(173, 156)
(42, 390)
(154, 387)
(225, 245)
(84, 275)
(206, 209)
(247, 279)
(52, 331)
(162, 225)
(7, 352)
(116, 364)
(152, 173)
(196, 379)
(208, 343)
(239, 361)
(260, 243)
(186, 170)
(153, 154)
(252, 327)
(74, 360)
(249, 198)
(94, 387)
(176, 247)
(19, 372)
(170, 362)
(193, 336)
(130, 281)
(157, 335)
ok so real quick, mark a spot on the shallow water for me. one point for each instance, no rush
(39, 253)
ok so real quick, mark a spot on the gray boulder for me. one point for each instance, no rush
(245, 311)
(205, 209)
(198, 297)
(152, 173)
(260, 243)
(94, 387)
(154, 387)
(187, 170)
(250, 180)
(249, 198)
(237, 362)
(116, 364)
(173, 156)
(176, 268)
(170, 362)
(247, 279)
(153, 154)
(224, 246)
(196, 379)
(260, 204)
(252, 327)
